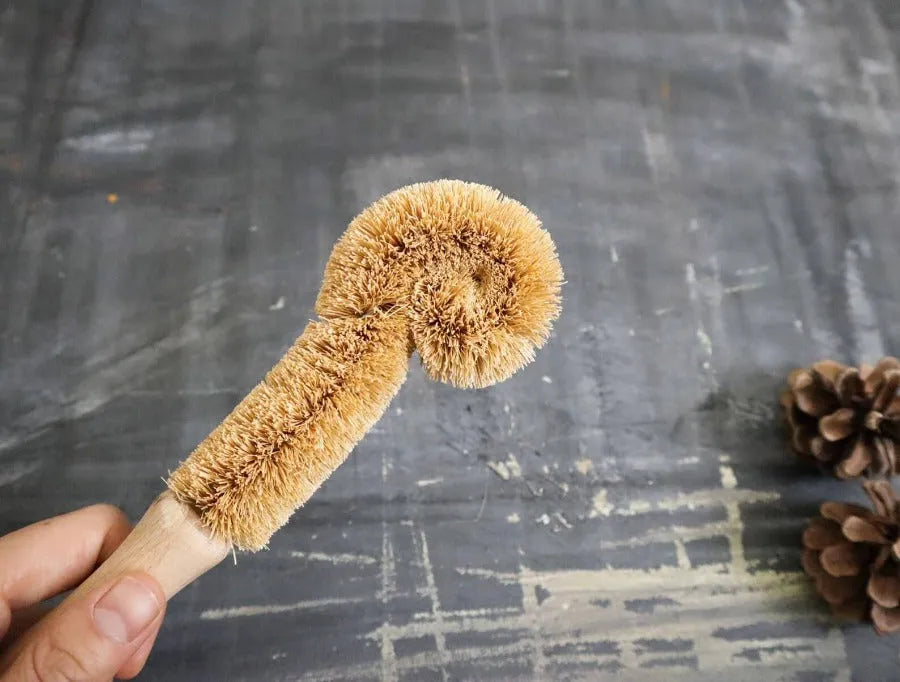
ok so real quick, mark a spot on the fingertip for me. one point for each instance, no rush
(115, 521)
(129, 608)
(107, 512)
(138, 659)
(133, 667)
(54, 555)
(110, 515)
(152, 584)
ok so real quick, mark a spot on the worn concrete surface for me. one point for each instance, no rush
(721, 177)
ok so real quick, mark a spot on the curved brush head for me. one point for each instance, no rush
(472, 271)
(454, 270)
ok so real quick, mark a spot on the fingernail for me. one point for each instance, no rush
(126, 610)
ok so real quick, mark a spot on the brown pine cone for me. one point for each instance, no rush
(853, 554)
(846, 418)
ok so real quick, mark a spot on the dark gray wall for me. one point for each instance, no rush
(721, 178)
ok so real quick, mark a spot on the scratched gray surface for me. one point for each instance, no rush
(721, 178)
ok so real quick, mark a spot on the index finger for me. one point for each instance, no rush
(52, 556)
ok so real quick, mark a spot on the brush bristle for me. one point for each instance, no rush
(454, 270)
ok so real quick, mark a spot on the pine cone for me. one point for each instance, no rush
(853, 554)
(846, 418)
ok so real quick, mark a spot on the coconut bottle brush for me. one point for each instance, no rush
(453, 270)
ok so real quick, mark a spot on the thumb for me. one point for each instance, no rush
(92, 638)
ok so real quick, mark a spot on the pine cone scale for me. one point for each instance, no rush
(856, 461)
(885, 620)
(890, 427)
(887, 392)
(857, 529)
(824, 451)
(844, 559)
(884, 590)
(875, 377)
(814, 398)
(849, 385)
(828, 370)
(811, 565)
(838, 425)
(821, 534)
(887, 454)
(841, 511)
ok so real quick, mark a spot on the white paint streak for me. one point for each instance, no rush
(113, 142)
(673, 534)
(513, 464)
(584, 466)
(681, 555)
(735, 537)
(749, 286)
(266, 609)
(506, 469)
(562, 520)
(705, 341)
(500, 469)
(425, 482)
(278, 305)
(694, 500)
(728, 478)
(532, 620)
(358, 559)
(873, 67)
(656, 149)
(15, 472)
(869, 343)
(431, 590)
(513, 518)
(487, 573)
(758, 270)
(600, 505)
(735, 530)
(712, 498)
(690, 274)
(613, 253)
(634, 508)
(388, 589)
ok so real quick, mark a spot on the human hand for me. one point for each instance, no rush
(107, 632)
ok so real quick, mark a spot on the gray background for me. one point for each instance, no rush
(721, 178)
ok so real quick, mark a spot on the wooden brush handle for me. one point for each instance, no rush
(168, 543)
